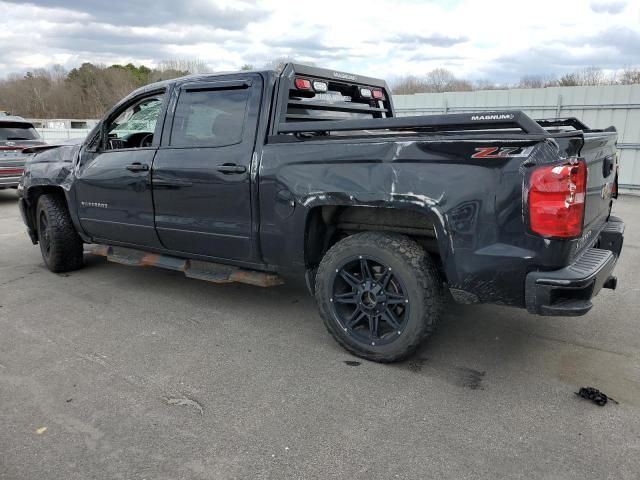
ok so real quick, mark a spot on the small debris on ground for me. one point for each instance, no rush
(184, 402)
(352, 363)
(595, 395)
(41, 430)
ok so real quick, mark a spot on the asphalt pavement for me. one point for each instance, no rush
(116, 372)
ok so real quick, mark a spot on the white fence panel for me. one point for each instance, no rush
(57, 135)
(598, 107)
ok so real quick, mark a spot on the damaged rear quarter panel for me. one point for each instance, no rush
(474, 204)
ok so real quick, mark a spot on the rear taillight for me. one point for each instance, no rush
(10, 171)
(303, 84)
(556, 199)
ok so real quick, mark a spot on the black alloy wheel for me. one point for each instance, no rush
(369, 301)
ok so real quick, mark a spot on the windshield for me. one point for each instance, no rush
(17, 131)
(140, 118)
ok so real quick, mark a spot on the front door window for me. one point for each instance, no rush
(134, 127)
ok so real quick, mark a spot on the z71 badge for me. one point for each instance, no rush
(502, 152)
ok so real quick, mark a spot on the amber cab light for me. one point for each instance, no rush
(557, 199)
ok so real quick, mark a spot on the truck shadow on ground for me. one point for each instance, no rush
(475, 347)
(8, 196)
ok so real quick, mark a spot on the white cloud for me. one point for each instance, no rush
(495, 39)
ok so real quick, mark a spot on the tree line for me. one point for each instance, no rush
(90, 90)
(84, 92)
(442, 80)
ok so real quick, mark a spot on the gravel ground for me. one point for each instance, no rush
(115, 372)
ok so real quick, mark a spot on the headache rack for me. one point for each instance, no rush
(340, 98)
(305, 112)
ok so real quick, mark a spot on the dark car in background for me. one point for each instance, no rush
(16, 134)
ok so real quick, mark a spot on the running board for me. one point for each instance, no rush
(198, 269)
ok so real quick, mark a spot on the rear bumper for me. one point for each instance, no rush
(568, 291)
(9, 182)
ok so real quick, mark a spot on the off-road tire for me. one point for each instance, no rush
(414, 267)
(63, 250)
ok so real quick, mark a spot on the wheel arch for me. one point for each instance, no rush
(31, 197)
(329, 221)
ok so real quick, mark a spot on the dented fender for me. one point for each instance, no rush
(50, 167)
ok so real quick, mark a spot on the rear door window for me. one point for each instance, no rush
(209, 118)
(17, 131)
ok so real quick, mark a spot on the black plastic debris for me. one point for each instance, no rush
(352, 363)
(595, 395)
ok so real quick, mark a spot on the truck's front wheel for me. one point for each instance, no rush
(60, 244)
(379, 295)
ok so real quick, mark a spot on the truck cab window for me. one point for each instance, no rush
(209, 118)
(134, 126)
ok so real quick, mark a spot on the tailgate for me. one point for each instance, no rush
(11, 162)
(12, 157)
(599, 151)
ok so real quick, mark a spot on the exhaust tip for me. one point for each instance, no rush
(611, 283)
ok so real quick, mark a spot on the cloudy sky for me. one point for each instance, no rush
(487, 39)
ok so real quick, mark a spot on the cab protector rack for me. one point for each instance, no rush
(340, 107)
(341, 97)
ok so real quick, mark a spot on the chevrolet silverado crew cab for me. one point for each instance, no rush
(308, 175)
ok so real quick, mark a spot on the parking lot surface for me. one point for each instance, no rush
(114, 372)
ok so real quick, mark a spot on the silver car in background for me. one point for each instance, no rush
(16, 134)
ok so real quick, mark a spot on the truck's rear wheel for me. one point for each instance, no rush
(60, 244)
(379, 295)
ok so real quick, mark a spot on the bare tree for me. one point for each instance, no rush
(485, 84)
(629, 76)
(587, 76)
(531, 81)
(183, 65)
(436, 81)
(459, 85)
(439, 79)
(409, 85)
(278, 63)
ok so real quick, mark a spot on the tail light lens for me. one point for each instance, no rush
(303, 84)
(557, 199)
(377, 94)
(10, 172)
(12, 148)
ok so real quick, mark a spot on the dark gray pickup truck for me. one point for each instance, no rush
(308, 175)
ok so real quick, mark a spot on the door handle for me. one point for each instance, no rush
(229, 168)
(138, 167)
